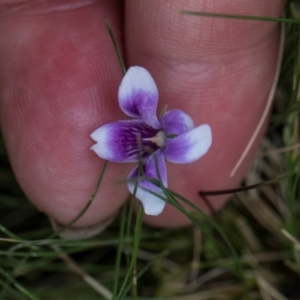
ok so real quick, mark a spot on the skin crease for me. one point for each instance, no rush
(59, 80)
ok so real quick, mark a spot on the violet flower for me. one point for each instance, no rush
(153, 140)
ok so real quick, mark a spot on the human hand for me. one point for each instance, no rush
(59, 81)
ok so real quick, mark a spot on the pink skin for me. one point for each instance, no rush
(59, 79)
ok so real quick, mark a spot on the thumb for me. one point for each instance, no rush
(59, 79)
(217, 70)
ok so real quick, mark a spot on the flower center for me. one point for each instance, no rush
(158, 139)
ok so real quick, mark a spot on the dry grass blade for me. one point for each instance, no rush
(281, 150)
(262, 213)
(268, 104)
(196, 254)
(292, 239)
(97, 286)
(275, 294)
(223, 293)
(248, 234)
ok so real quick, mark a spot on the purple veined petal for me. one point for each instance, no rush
(189, 146)
(152, 204)
(138, 96)
(176, 121)
(122, 141)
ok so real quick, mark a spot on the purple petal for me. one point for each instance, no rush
(189, 146)
(152, 204)
(138, 96)
(122, 141)
(175, 121)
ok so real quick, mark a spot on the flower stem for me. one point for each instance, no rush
(116, 47)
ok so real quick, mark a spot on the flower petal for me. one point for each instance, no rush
(122, 141)
(152, 204)
(138, 96)
(176, 121)
(189, 146)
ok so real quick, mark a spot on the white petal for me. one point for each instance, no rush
(152, 204)
(138, 96)
(189, 146)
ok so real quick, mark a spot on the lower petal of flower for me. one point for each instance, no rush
(152, 204)
(124, 141)
(189, 146)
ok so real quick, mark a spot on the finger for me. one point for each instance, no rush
(59, 80)
(217, 70)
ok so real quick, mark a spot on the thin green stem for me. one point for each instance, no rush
(89, 203)
(6, 288)
(137, 234)
(17, 285)
(116, 47)
(119, 252)
(239, 17)
(131, 264)
(145, 269)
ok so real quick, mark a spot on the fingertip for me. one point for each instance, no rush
(217, 70)
(57, 87)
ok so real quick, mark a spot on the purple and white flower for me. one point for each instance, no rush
(149, 139)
